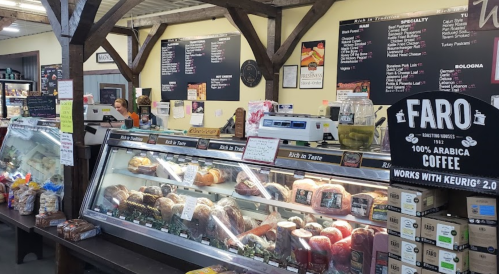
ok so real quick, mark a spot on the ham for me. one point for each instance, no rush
(314, 228)
(344, 227)
(333, 234)
(300, 249)
(380, 252)
(320, 248)
(362, 247)
(340, 251)
(379, 209)
(303, 191)
(298, 221)
(283, 241)
(332, 199)
(362, 204)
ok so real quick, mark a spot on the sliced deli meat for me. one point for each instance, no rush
(332, 199)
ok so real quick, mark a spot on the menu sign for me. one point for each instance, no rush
(41, 106)
(403, 54)
(444, 139)
(49, 76)
(207, 66)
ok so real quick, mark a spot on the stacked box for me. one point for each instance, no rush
(445, 231)
(445, 261)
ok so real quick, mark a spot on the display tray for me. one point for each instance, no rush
(210, 204)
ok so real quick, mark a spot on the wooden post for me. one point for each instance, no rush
(274, 30)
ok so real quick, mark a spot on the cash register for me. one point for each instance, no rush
(99, 118)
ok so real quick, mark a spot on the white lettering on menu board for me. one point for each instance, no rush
(262, 150)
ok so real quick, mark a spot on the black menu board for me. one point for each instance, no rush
(50, 74)
(401, 55)
(108, 96)
(207, 66)
(41, 106)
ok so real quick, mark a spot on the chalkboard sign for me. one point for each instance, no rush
(41, 106)
(445, 139)
(401, 55)
(108, 96)
(49, 76)
(205, 67)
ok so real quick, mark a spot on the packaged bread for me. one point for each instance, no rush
(49, 202)
(26, 203)
(63, 225)
(332, 199)
(80, 231)
(50, 219)
(136, 161)
(303, 191)
(362, 203)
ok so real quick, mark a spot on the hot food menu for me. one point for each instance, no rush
(211, 62)
(409, 53)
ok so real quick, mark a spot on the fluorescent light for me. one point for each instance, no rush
(8, 3)
(10, 29)
(32, 7)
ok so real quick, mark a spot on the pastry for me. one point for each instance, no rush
(165, 206)
(153, 190)
(175, 198)
(136, 197)
(136, 162)
(167, 189)
(205, 201)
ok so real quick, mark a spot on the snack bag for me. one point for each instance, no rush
(49, 200)
(26, 202)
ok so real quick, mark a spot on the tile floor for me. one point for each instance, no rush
(30, 265)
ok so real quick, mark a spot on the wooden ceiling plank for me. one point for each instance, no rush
(104, 26)
(181, 17)
(54, 16)
(313, 15)
(248, 6)
(5, 22)
(120, 63)
(154, 34)
(244, 24)
(82, 20)
(24, 16)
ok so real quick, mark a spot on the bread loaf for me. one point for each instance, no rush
(205, 201)
(165, 206)
(136, 197)
(175, 198)
(136, 161)
(278, 192)
(167, 189)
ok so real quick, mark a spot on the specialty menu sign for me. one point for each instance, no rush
(206, 68)
(445, 139)
(400, 55)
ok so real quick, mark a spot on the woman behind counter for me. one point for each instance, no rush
(121, 105)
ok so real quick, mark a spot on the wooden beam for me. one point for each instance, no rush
(274, 35)
(244, 24)
(181, 17)
(19, 15)
(122, 31)
(291, 3)
(133, 50)
(5, 22)
(102, 28)
(313, 15)
(82, 20)
(54, 16)
(153, 37)
(122, 65)
(248, 6)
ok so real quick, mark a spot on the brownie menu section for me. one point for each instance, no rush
(409, 53)
(201, 68)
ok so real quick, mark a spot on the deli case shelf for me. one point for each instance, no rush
(187, 200)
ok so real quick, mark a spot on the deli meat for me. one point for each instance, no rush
(320, 248)
(362, 204)
(380, 252)
(362, 247)
(341, 251)
(303, 191)
(332, 199)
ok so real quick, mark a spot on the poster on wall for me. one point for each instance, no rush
(312, 65)
(50, 74)
(344, 89)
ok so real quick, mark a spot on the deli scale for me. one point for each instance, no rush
(98, 119)
(296, 127)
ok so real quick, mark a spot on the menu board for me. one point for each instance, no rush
(404, 54)
(206, 68)
(41, 106)
(50, 74)
(108, 96)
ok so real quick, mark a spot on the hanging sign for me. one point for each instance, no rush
(445, 139)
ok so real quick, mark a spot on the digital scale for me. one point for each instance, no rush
(296, 127)
(99, 118)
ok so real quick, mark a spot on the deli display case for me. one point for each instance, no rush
(195, 199)
(14, 92)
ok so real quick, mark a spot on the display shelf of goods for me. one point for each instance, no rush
(233, 212)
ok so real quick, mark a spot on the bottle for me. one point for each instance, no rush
(356, 122)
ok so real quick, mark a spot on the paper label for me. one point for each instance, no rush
(304, 197)
(445, 239)
(257, 258)
(205, 241)
(408, 254)
(122, 217)
(357, 262)
(136, 222)
(149, 225)
(407, 230)
(360, 206)
(272, 263)
(381, 266)
(233, 249)
(190, 205)
(109, 214)
(380, 213)
(292, 269)
(331, 200)
(97, 209)
(183, 235)
(190, 174)
(408, 270)
(446, 262)
(262, 150)
(408, 204)
(164, 230)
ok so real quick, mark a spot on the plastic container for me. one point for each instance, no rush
(356, 122)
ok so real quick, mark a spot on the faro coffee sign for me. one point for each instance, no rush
(443, 138)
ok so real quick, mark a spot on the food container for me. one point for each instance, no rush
(356, 122)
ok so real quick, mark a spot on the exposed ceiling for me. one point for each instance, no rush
(25, 28)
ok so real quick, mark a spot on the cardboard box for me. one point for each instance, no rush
(445, 232)
(483, 238)
(445, 261)
(408, 252)
(404, 226)
(483, 263)
(416, 201)
(426, 271)
(398, 267)
(482, 210)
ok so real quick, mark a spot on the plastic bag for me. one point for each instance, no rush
(256, 110)
(26, 201)
(50, 219)
(208, 270)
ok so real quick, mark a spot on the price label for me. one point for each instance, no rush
(136, 222)
(205, 241)
(299, 174)
(149, 225)
(190, 205)
(273, 263)
(181, 159)
(208, 162)
(164, 230)
(143, 154)
(292, 268)
(109, 213)
(115, 150)
(265, 170)
(190, 174)
(183, 234)
(258, 258)
(261, 150)
(129, 151)
(169, 157)
(233, 249)
(194, 160)
(122, 217)
(97, 209)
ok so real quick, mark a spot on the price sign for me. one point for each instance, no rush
(190, 174)
(261, 150)
(190, 205)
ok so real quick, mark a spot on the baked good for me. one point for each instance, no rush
(177, 209)
(136, 197)
(136, 161)
(27, 202)
(150, 199)
(148, 169)
(165, 206)
(177, 199)
(205, 201)
(197, 226)
(219, 175)
(153, 190)
(49, 202)
(50, 219)
(245, 186)
(209, 176)
(278, 192)
(167, 189)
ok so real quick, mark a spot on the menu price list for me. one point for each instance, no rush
(401, 55)
(213, 60)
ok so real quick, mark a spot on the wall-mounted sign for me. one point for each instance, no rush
(103, 57)
(50, 74)
(482, 15)
(312, 65)
(444, 139)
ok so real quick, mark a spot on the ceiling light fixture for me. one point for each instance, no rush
(32, 7)
(10, 29)
(8, 3)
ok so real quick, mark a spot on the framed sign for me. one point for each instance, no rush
(103, 57)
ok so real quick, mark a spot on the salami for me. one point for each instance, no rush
(283, 241)
(320, 248)
(300, 249)
(380, 253)
(332, 199)
(341, 251)
(344, 227)
(333, 234)
(362, 247)
(303, 191)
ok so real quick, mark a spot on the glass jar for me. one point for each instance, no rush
(356, 122)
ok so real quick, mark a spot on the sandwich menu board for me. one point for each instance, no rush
(50, 74)
(201, 68)
(403, 54)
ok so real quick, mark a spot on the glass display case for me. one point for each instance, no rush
(32, 146)
(13, 94)
(195, 198)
